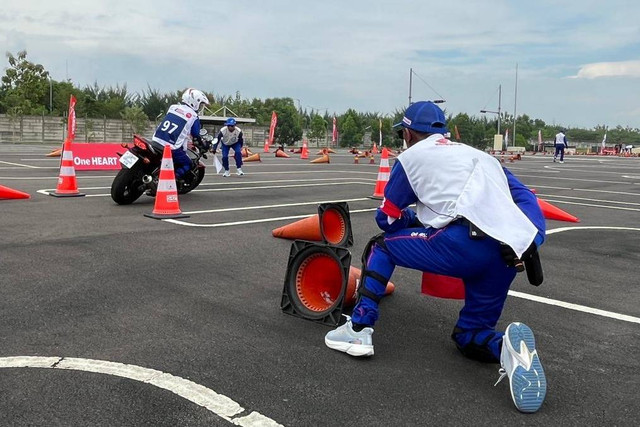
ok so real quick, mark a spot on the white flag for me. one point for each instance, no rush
(217, 164)
(604, 140)
(506, 137)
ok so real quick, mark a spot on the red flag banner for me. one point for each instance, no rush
(455, 127)
(334, 135)
(71, 119)
(272, 128)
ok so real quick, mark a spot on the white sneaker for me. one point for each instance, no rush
(520, 362)
(239, 172)
(561, 161)
(345, 339)
(226, 174)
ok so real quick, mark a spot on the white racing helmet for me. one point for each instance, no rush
(195, 99)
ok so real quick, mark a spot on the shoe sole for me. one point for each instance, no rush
(357, 350)
(528, 387)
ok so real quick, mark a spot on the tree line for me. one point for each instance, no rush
(28, 89)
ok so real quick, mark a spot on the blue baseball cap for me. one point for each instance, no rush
(230, 122)
(424, 116)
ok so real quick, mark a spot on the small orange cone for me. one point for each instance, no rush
(372, 159)
(330, 150)
(166, 204)
(304, 154)
(441, 286)
(375, 149)
(253, 158)
(356, 160)
(281, 153)
(266, 146)
(67, 183)
(324, 159)
(383, 175)
(55, 153)
(10, 193)
(551, 212)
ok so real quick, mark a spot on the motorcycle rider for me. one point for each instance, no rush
(181, 122)
(231, 137)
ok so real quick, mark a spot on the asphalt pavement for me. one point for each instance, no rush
(109, 318)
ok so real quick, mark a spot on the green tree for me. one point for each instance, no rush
(318, 129)
(349, 133)
(136, 118)
(289, 128)
(25, 86)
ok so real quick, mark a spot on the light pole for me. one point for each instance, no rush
(499, 107)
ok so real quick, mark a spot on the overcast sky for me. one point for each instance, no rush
(578, 60)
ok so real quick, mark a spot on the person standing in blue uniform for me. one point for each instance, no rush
(179, 125)
(231, 138)
(473, 220)
(560, 144)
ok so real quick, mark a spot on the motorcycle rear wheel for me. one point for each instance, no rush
(127, 186)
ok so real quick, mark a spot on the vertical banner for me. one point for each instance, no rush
(334, 134)
(71, 119)
(272, 128)
(380, 139)
(455, 128)
(604, 140)
(540, 147)
(506, 138)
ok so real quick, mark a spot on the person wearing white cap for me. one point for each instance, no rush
(473, 220)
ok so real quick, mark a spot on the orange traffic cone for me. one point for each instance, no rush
(324, 159)
(330, 150)
(332, 224)
(55, 153)
(372, 159)
(67, 184)
(441, 286)
(356, 160)
(551, 212)
(244, 152)
(304, 154)
(166, 204)
(383, 175)
(375, 149)
(10, 193)
(253, 158)
(266, 146)
(281, 153)
(354, 283)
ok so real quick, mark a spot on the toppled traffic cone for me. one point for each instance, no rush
(304, 154)
(252, 158)
(280, 153)
(55, 153)
(67, 183)
(319, 282)
(10, 193)
(332, 225)
(441, 286)
(383, 175)
(551, 212)
(324, 159)
(166, 203)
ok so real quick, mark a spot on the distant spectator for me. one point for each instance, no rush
(560, 144)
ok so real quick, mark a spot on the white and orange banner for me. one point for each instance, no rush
(71, 119)
(272, 128)
(334, 134)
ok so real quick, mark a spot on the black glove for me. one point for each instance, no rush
(530, 261)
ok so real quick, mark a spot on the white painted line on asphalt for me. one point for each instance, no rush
(283, 205)
(253, 221)
(620, 208)
(53, 178)
(20, 164)
(631, 176)
(219, 404)
(557, 178)
(575, 307)
(544, 196)
(590, 227)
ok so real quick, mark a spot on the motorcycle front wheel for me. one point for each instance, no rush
(127, 186)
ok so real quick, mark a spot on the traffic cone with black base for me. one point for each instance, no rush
(320, 282)
(166, 204)
(10, 193)
(331, 225)
(67, 183)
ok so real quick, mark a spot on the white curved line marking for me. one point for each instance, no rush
(217, 403)
(578, 307)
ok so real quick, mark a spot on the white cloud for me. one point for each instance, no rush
(609, 69)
